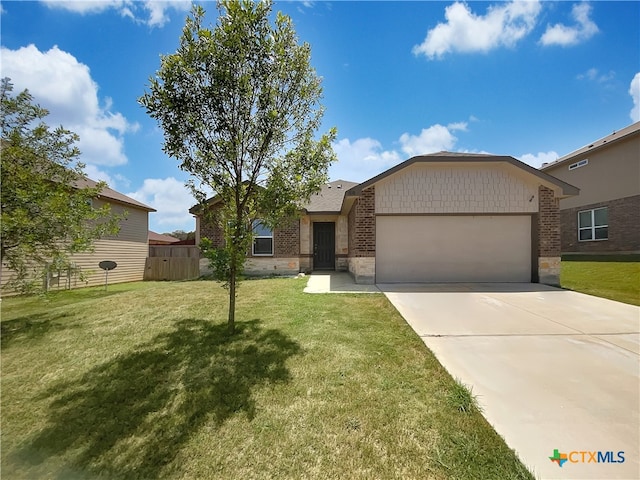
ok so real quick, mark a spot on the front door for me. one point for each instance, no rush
(324, 246)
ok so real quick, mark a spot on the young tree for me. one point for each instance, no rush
(240, 105)
(45, 215)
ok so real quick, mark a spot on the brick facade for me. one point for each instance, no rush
(286, 240)
(624, 227)
(210, 229)
(362, 225)
(548, 223)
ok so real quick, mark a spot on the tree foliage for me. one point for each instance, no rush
(239, 104)
(181, 234)
(46, 216)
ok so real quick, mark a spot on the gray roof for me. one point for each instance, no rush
(634, 128)
(329, 199)
(454, 157)
(110, 194)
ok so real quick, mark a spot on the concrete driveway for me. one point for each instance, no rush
(552, 369)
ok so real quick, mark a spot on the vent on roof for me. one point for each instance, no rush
(579, 164)
(339, 186)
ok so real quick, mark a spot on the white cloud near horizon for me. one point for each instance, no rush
(434, 139)
(62, 85)
(172, 200)
(564, 35)
(536, 160)
(503, 26)
(153, 13)
(634, 91)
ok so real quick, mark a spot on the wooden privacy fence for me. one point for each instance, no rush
(172, 262)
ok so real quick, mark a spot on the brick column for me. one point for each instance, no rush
(362, 237)
(548, 237)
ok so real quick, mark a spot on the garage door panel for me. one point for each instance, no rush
(453, 248)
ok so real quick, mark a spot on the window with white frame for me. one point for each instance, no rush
(262, 240)
(593, 224)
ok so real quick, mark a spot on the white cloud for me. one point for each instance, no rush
(365, 157)
(503, 25)
(361, 159)
(153, 13)
(434, 139)
(634, 91)
(94, 173)
(64, 86)
(595, 76)
(564, 35)
(171, 198)
(537, 160)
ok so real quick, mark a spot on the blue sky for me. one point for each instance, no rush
(534, 80)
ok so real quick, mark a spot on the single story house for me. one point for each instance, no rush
(129, 248)
(605, 218)
(444, 217)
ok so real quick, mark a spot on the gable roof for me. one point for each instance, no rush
(111, 195)
(329, 198)
(159, 237)
(454, 157)
(614, 137)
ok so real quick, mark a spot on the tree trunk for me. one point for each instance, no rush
(231, 323)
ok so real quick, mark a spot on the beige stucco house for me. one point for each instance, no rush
(445, 217)
(129, 248)
(605, 217)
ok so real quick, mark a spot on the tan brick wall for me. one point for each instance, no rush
(549, 270)
(465, 188)
(272, 266)
(363, 269)
(624, 227)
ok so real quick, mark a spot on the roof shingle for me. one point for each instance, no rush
(329, 199)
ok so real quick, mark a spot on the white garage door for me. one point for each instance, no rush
(453, 249)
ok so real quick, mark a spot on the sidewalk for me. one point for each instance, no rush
(336, 282)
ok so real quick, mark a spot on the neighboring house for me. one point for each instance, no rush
(445, 217)
(605, 217)
(161, 239)
(129, 248)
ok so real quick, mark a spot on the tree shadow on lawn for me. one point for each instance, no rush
(129, 417)
(32, 327)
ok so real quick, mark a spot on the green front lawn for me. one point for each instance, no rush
(142, 382)
(613, 277)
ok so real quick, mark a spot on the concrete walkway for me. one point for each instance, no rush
(336, 282)
(552, 369)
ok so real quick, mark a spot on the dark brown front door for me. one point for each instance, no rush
(324, 246)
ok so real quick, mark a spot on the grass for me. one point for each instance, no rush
(613, 277)
(143, 382)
